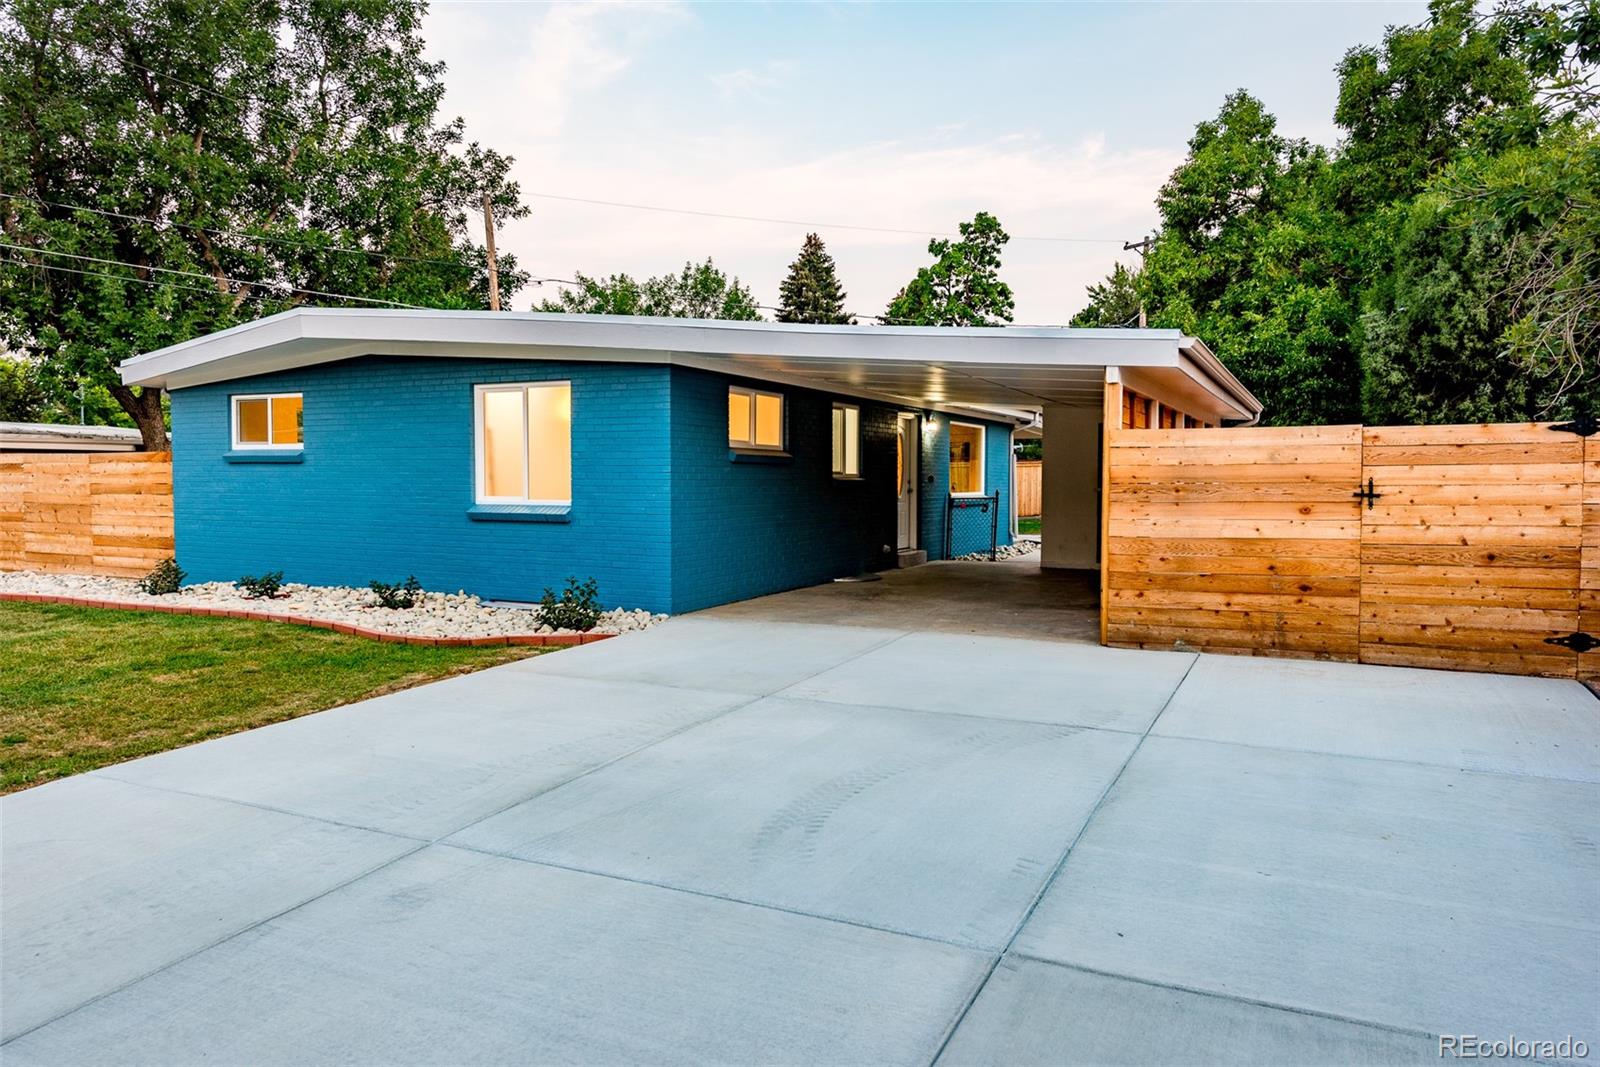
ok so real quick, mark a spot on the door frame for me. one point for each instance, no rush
(908, 428)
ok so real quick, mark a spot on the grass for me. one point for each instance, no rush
(87, 687)
(1028, 526)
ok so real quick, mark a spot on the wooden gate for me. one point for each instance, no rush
(1470, 557)
(1478, 545)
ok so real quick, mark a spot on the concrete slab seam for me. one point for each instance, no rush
(1215, 995)
(1055, 872)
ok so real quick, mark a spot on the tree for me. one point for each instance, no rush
(699, 291)
(170, 169)
(1113, 302)
(1251, 257)
(962, 287)
(811, 292)
(22, 398)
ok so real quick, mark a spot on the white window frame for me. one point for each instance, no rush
(983, 444)
(267, 445)
(750, 431)
(479, 494)
(837, 461)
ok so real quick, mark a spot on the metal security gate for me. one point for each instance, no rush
(972, 525)
(1465, 547)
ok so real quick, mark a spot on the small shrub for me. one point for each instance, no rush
(263, 588)
(166, 578)
(578, 607)
(406, 594)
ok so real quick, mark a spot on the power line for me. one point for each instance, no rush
(209, 277)
(799, 222)
(111, 277)
(228, 233)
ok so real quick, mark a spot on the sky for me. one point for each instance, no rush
(1060, 119)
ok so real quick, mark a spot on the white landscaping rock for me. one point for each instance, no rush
(1004, 552)
(457, 614)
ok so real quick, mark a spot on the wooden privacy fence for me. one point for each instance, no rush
(96, 513)
(1030, 486)
(1478, 547)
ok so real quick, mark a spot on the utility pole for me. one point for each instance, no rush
(494, 267)
(1141, 247)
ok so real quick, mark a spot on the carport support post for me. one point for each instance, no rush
(1110, 421)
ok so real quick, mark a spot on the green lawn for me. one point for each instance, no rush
(1028, 526)
(82, 688)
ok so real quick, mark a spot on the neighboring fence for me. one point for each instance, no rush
(95, 513)
(1470, 551)
(1030, 486)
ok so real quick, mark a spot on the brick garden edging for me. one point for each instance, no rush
(536, 640)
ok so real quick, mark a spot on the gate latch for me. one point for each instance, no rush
(1578, 642)
(1366, 494)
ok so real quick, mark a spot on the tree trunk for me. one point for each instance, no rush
(144, 407)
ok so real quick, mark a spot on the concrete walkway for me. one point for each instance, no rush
(727, 841)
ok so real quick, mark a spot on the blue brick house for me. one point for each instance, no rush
(682, 464)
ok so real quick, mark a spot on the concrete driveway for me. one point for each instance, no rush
(738, 841)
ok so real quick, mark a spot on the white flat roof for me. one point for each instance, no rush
(62, 437)
(1021, 368)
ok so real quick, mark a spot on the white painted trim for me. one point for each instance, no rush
(479, 496)
(1011, 491)
(268, 445)
(749, 441)
(983, 460)
(838, 472)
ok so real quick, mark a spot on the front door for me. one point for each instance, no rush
(906, 497)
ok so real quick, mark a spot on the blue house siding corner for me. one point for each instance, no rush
(744, 529)
(385, 485)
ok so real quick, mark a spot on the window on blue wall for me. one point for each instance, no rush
(966, 459)
(268, 421)
(524, 443)
(755, 418)
(846, 441)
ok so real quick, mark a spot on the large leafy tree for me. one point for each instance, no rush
(1113, 302)
(698, 291)
(962, 286)
(170, 169)
(811, 291)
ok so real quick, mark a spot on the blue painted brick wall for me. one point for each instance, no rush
(970, 530)
(387, 481)
(661, 515)
(744, 529)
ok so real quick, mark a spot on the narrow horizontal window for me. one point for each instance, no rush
(846, 441)
(966, 459)
(524, 443)
(755, 418)
(268, 420)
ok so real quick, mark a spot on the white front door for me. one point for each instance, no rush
(906, 465)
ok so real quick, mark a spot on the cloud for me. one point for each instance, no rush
(571, 50)
(1037, 188)
(748, 81)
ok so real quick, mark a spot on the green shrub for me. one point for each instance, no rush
(263, 588)
(578, 607)
(166, 578)
(406, 594)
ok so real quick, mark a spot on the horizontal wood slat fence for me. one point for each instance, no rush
(1480, 544)
(95, 513)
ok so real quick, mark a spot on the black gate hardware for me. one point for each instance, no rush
(1578, 642)
(1584, 425)
(1366, 494)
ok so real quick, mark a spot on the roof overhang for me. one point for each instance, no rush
(53, 437)
(1019, 369)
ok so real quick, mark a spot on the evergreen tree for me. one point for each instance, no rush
(811, 292)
